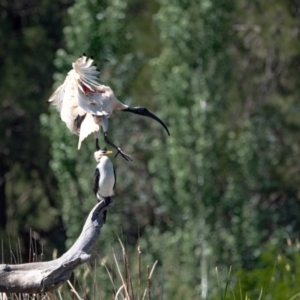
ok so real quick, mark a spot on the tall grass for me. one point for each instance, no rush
(122, 286)
(122, 275)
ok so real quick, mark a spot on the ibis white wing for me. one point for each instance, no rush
(57, 97)
(88, 126)
(64, 92)
(95, 103)
(86, 74)
(93, 97)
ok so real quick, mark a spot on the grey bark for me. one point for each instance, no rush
(41, 277)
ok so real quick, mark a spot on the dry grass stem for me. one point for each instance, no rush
(74, 291)
(120, 273)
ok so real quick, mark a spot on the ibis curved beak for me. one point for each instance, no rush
(145, 112)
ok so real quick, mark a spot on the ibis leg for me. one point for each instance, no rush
(96, 134)
(97, 144)
(125, 156)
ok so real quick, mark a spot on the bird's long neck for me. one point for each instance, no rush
(118, 105)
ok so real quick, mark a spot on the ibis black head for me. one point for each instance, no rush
(145, 112)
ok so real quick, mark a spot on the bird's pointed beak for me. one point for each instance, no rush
(107, 152)
(145, 112)
(100, 153)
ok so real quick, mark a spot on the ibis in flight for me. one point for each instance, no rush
(104, 178)
(85, 104)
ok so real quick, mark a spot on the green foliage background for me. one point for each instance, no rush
(222, 190)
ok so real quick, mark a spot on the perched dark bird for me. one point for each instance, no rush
(104, 178)
(85, 105)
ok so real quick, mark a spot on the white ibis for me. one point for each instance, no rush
(85, 105)
(104, 178)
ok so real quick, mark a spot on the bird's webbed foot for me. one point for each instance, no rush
(120, 151)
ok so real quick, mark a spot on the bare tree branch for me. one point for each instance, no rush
(44, 276)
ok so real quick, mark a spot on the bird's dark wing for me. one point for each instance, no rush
(96, 181)
(115, 178)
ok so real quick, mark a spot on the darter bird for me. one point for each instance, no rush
(85, 105)
(104, 178)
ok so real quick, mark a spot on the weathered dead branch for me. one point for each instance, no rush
(41, 277)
